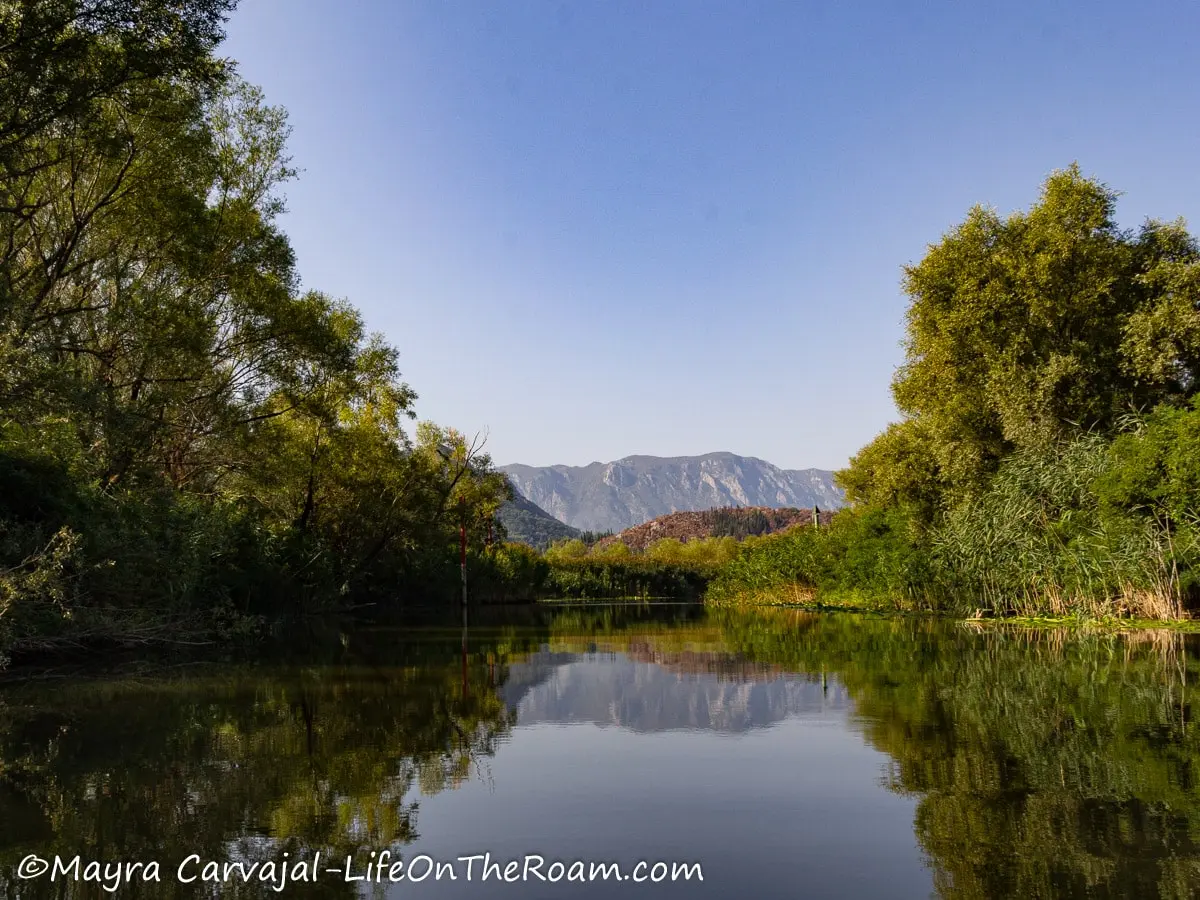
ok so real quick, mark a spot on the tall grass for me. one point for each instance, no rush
(1042, 539)
(1039, 541)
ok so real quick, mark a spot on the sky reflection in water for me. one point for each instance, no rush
(791, 755)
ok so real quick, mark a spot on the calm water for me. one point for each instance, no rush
(789, 755)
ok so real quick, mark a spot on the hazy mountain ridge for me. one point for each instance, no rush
(618, 495)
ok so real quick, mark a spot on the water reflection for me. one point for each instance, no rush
(830, 756)
(621, 690)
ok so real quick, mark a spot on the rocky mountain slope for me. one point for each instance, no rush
(735, 522)
(617, 495)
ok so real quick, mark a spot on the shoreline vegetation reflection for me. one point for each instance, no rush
(1042, 762)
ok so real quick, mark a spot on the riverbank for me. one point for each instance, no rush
(808, 599)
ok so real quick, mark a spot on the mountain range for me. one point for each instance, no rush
(617, 495)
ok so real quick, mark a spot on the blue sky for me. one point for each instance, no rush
(603, 228)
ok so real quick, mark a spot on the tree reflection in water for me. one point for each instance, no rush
(1044, 763)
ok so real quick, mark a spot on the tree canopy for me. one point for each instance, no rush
(182, 425)
(1024, 330)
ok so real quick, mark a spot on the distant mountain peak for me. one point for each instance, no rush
(617, 495)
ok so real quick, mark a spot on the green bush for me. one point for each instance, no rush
(872, 556)
(635, 576)
(510, 572)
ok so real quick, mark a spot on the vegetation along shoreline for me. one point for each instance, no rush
(193, 447)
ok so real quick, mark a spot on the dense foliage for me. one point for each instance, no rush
(188, 439)
(1046, 461)
(668, 568)
(863, 558)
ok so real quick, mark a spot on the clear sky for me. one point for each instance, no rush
(597, 228)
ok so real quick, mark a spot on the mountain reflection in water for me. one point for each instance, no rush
(617, 689)
(789, 754)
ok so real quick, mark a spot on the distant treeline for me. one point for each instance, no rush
(513, 572)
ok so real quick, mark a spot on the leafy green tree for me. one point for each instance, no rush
(61, 60)
(573, 548)
(1023, 330)
(896, 468)
(1162, 338)
(186, 437)
(617, 550)
(1155, 467)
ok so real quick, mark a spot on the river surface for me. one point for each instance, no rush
(787, 754)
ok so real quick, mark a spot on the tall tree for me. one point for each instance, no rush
(1025, 329)
(62, 61)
